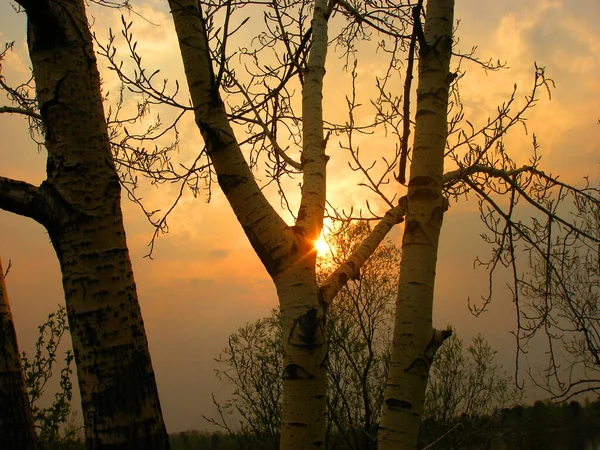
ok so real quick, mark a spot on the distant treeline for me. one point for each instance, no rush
(543, 425)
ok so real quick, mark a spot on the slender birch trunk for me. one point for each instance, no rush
(79, 204)
(16, 421)
(415, 340)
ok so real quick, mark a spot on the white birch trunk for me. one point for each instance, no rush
(415, 340)
(302, 304)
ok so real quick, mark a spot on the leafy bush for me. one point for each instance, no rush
(55, 425)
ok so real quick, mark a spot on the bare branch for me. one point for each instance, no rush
(351, 267)
(417, 31)
(314, 160)
(370, 19)
(22, 111)
(20, 198)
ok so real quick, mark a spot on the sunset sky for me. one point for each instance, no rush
(204, 280)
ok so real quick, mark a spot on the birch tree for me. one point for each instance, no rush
(465, 382)
(79, 205)
(16, 420)
(485, 169)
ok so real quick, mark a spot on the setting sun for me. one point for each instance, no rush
(321, 246)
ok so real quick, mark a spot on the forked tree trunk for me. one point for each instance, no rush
(16, 421)
(79, 204)
(287, 252)
(415, 341)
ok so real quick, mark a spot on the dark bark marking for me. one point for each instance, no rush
(301, 214)
(230, 182)
(421, 181)
(419, 366)
(45, 113)
(423, 194)
(413, 227)
(437, 214)
(397, 403)
(297, 424)
(424, 112)
(54, 212)
(100, 294)
(343, 278)
(299, 232)
(296, 372)
(308, 326)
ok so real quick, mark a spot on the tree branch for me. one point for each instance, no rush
(264, 228)
(417, 31)
(276, 147)
(20, 198)
(454, 176)
(23, 111)
(314, 160)
(508, 176)
(359, 17)
(351, 267)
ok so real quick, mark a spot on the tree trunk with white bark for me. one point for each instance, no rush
(287, 252)
(415, 340)
(79, 204)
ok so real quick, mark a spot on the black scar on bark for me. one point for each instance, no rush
(419, 367)
(420, 181)
(395, 403)
(343, 278)
(295, 372)
(229, 182)
(298, 424)
(309, 326)
(301, 214)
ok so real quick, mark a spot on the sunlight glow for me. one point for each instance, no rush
(321, 246)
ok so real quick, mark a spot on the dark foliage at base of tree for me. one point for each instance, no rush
(543, 425)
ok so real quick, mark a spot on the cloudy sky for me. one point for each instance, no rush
(204, 281)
